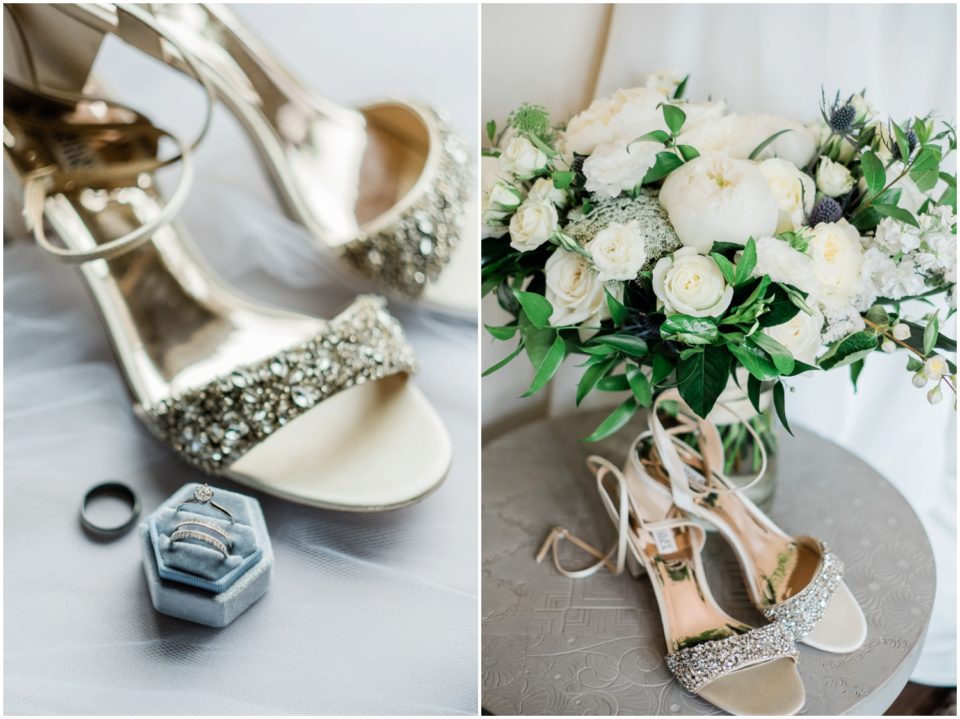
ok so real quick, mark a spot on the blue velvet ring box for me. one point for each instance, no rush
(194, 581)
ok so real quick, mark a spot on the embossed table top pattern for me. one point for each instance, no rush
(552, 645)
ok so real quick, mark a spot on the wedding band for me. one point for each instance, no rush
(110, 489)
(182, 534)
(204, 495)
(206, 525)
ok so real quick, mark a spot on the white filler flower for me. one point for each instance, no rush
(618, 251)
(691, 284)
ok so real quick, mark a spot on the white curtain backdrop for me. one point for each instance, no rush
(366, 614)
(774, 58)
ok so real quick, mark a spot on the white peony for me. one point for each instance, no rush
(782, 263)
(624, 116)
(792, 189)
(800, 335)
(574, 289)
(739, 135)
(544, 190)
(614, 168)
(522, 158)
(533, 224)
(711, 135)
(691, 284)
(833, 179)
(837, 256)
(718, 199)
(665, 82)
(618, 251)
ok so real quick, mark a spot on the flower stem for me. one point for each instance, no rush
(878, 329)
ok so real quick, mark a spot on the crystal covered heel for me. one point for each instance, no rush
(796, 581)
(320, 412)
(738, 668)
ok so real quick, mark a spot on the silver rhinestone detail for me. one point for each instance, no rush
(801, 612)
(212, 426)
(697, 666)
(412, 252)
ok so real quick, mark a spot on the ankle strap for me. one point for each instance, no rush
(667, 442)
(39, 183)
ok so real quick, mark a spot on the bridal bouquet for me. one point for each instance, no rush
(672, 243)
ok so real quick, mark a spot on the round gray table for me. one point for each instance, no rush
(552, 645)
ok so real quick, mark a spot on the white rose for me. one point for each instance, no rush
(864, 109)
(718, 199)
(615, 168)
(504, 196)
(495, 219)
(691, 284)
(574, 289)
(782, 263)
(800, 335)
(533, 224)
(522, 158)
(618, 251)
(837, 256)
(827, 142)
(544, 190)
(833, 179)
(624, 116)
(792, 189)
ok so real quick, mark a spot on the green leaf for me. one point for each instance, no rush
(781, 356)
(913, 364)
(873, 172)
(747, 263)
(689, 330)
(779, 402)
(492, 131)
(902, 142)
(925, 170)
(930, 333)
(502, 363)
(678, 93)
(753, 392)
(878, 315)
(626, 343)
(726, 267)
(754, 361)
(662, 368)
(551, 363)
(666, 163)
(848, 350)
(897, 213)
(855, 369)
(674, 117)
(653, 136)
(502, 333)
(592, 376)
(562, 179)
(615, 420)
(702, 378)
(536, 342)
(763, 145)
(537, 307)
(618, 313)
(614, 383)
(781, 308)
(640, 385)
(689, 152)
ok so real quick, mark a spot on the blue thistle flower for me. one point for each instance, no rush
(827, 210)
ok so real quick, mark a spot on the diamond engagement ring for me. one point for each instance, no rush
(182, 534)
(204, 524)
(204, 495)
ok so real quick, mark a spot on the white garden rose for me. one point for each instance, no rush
(614, 168)
(618, 251)
(544, 190)
(837, 256)
(833, 179)
(574, 289)
(800, 335)
(533, 224)
(504, 196)
(691, 284)
(624, 116)
(521, 158)
(792, 189)
(782, 263)
(718, 199)
(495, 219)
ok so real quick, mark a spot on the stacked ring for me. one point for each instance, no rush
(182, 534)
(211, 526)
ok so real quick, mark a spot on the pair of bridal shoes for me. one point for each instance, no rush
(317, 411)
(660, 502)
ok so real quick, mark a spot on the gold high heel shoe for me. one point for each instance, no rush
(382, 189)
(320, 412)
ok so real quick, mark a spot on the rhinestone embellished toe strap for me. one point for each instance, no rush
(214, 425)
(697, 666)
(801, 612)
(412, 251)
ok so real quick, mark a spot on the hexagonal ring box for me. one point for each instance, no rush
(206, 554)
